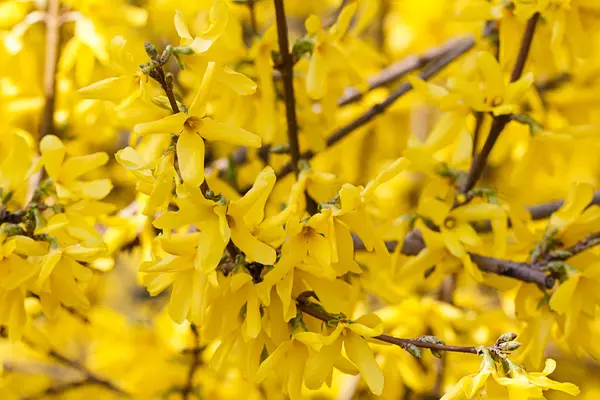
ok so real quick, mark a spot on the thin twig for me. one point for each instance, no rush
(413, 244)
(315, 312)
(460, 47)
(252, 11)
(50, 65)
(479, 118)
(399, 70)
(196, 361)
(501, 121)
(286, 68)
(90, 377)
(588, 242)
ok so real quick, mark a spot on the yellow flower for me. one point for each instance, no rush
(325, 352)
(456, 234)
(471, 385)
(124, 89)
(328, 53)
(577, 298)
(66, 173)
(287, 362)
(15, 168)
(193, 128)
(524, 385)
(219, 15)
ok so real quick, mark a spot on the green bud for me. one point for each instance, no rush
(303, 165)
(297, 323)
(240, 259)
(166, 54)
(11, 230)
(413, 350)
(526, 119)
(506, 337)
(280, 149)
(150, 50)
(432, 339)
(302, 47)
(509, 346)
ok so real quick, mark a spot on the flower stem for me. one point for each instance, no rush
(306, 308)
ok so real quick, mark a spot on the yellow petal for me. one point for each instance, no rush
(172, 124)
(252, 323)
(111, 89)
(254, 249)
(219, 16)
(75, 167)
(362, 356)
(219, 131)
(180, 26)
(198, 106)
(190, 156)
(53, 153)
(237, 82)
(316, 83)
(181, 297)
(492, 74)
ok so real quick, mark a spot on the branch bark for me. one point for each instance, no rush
(287, 72)
(50, 66)
(196, 361)
(501, 121)
(400, 69)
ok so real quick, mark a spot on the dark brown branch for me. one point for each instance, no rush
(501, 121)
(554, 82)
(196, 361)
(400, 69)
(479, 118)
(315, 312)
(461, 46)
(413, 244)
(50, 64)
(287, 73)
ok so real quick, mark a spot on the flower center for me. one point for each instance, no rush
(450, 223)
(192, 123)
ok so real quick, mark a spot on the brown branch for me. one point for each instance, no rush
(90, 377)
(590, 241)
(501, 121)
(413, 244)
(196, 361)
(538, 212)
(167, 87)
(62, 388)
(50, 65)
(400, 69)
(479, 118)
(460, 47)
(308, 308)
(287, 72)
(252, 11)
